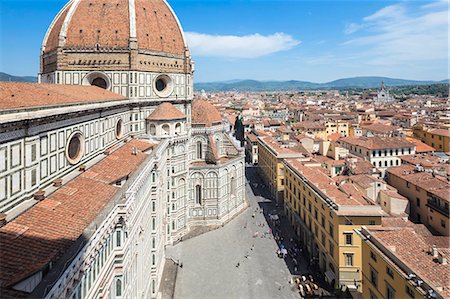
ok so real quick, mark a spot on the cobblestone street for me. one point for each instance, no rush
(238, 260)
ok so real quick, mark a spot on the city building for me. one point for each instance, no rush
(382, 152)
(270, 157)
(437, 138)
(428, 195)
(404, 261)
(324, 215)
(109, 160)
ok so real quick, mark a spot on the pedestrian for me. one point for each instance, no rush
(237, 265)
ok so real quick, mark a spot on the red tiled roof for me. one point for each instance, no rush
(422, 179)
(43, 233)
(412, 248)
(15, 95)
(107, 23)
(204, 113)
(420, 146)
(380, 128)
(377, 142)
(166, 111)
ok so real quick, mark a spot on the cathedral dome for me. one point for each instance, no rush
(203, 113)
(148, 25)
(166, 111)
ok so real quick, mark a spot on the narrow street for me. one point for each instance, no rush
(240, 259)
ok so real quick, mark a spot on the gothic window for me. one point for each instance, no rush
(118, 288)
(199, 150)
(233, 186)
(198, 194)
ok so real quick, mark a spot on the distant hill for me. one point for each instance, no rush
(7, 77)
(355, 82)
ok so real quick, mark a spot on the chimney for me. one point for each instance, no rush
(434, 251)
(442, 259)
(57, 183)
(39, 195)
(2, 219)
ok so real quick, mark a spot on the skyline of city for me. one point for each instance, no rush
(277, 40)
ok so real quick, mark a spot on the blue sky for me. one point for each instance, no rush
(274, 40)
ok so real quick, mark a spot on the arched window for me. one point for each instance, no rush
(118, 288)
(379, 163)
(198, 194)
(199, 150)
(233, 186)
(165, 129)
(178, 128)
(152, 130)
(385, 163)
(118, 238)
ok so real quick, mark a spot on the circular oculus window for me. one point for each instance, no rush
(163, 85)
(119, 129)
(75, 148)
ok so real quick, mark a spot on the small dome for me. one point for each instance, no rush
(166, 111)
(203, 113)
(151, 24)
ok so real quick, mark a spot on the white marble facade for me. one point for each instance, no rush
(176, 189)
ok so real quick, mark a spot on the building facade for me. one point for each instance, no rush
(404, 262)
(324, 218)
(99, 175)
(428, 196)
(382, 152)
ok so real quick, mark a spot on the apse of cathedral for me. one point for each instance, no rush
(108, 160)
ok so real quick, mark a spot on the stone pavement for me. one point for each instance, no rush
(231, 262)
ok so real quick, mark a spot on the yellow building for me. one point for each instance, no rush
(404, 262)
(437, 138)
(324, 217)
(339, 126)
(318, 129)
(428, 196)
(270, 155)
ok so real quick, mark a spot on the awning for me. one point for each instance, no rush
(329, 276)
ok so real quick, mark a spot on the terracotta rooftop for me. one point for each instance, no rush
(440, 132)
(205, 114)
(374, 143)
(293, 148)
(46, 231)
(410, 246)
(15, 95)
(325, 184)
(421, 147)
(107, 23)
(310, 125)
(380, 128)
(422, 179)
(166, 111)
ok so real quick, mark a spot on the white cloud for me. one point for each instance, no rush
(399, 35)
(232, 46)
(352, 28)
